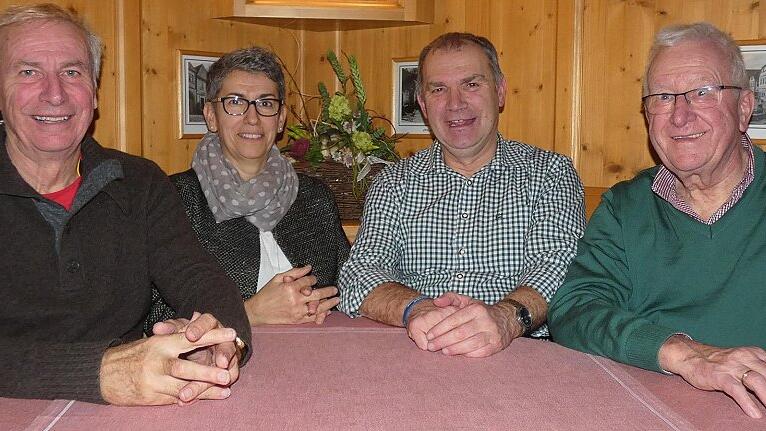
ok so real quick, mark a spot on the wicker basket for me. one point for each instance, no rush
(338, 179)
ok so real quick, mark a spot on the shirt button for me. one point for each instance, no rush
(469, 182)
(462, 252)
(464, 215)
(73, 266)
(459, 275)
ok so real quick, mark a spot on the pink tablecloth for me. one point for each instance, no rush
(357, 374)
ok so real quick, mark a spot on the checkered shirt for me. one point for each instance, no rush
(515, 222)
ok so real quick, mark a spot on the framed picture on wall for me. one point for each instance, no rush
(407, 117)
(754, 53)
(192, 90)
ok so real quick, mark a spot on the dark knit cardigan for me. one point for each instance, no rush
(309, 233)
(74, 283)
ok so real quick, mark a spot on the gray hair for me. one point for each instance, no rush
(16, 15)
(253, 60)
(454, 41)
(699, 32)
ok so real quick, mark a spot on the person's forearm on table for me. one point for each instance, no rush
(386, 303)
(530, 298)
(474, 328)
(737, 371)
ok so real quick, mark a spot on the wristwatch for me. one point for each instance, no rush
(523, 316)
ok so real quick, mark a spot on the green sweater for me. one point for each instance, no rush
(645, 270)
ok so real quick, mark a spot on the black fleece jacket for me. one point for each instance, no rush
(73, 283)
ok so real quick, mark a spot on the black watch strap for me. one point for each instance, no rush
(523, 316)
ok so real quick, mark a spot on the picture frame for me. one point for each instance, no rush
(754, 54)
(406, 115)
(192, 87)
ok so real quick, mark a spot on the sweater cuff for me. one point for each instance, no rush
(72, 371)
(642, 346)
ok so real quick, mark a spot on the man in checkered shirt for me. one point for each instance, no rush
(464, 243)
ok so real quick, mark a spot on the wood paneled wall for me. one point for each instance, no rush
(613, 144)
(574, 67)
(171, 25)
(524, 33)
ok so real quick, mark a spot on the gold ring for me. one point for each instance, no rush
(240, 343)
(742, 379)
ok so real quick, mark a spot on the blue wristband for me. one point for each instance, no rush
(409, 307)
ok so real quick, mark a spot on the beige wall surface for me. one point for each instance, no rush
(574, 67)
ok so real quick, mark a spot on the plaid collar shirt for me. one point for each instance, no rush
(664, 186)
(515, 222)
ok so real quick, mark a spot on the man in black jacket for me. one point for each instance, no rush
(86, 231)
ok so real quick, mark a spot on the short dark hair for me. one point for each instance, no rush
(456, 40)
(253, 60)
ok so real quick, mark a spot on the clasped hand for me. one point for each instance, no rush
(184, 361)
(288, 298)
(456, 324)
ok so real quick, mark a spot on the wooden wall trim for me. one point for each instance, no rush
(569, 48)
(128, 67)
(418, 11)
(576, 81)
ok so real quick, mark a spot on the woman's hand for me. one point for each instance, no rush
(289, 299)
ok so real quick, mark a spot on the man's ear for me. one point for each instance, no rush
(745, 109)
(422, 105)
(501, 89)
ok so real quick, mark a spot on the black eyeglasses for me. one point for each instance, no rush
(235, 105)
(703, 97)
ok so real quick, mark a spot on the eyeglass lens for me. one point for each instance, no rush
(703, 97)
(235, 105)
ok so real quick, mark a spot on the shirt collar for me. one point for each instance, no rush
(501, 160)
(664, 186)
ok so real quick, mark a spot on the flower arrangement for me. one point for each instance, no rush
(344, 131)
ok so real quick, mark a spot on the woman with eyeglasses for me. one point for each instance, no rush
(276, 233)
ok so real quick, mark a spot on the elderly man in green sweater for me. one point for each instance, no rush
(670, 273)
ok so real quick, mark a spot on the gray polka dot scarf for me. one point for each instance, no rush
(262, 200)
